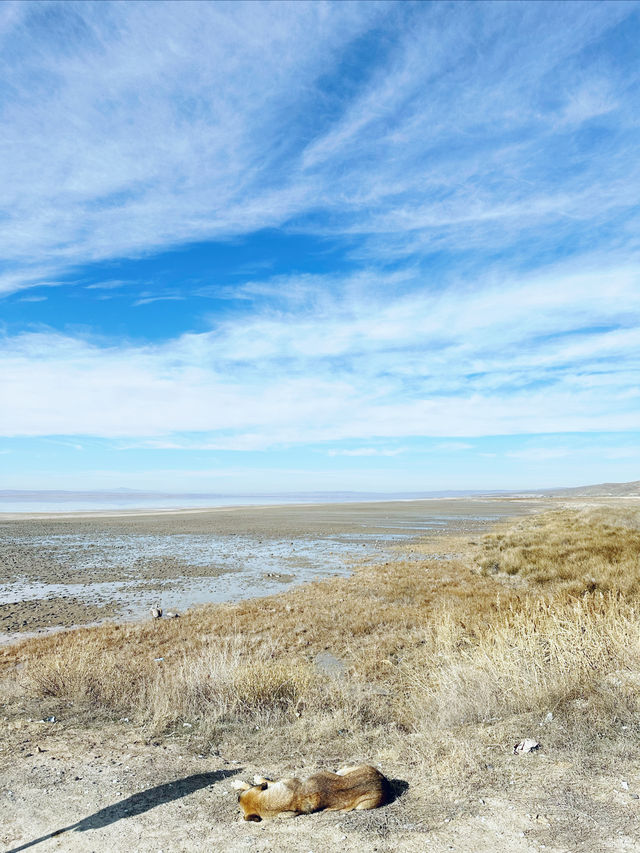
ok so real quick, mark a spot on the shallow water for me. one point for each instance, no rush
(47, 501)
(178, 571)
(76, 570)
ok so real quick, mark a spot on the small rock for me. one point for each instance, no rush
(624, 785)
(170, 614)
(526, 745)
(158, 659)
(156, 612)
(635, 797)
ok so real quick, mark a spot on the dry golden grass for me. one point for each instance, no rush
(440, 660)
(537, 658)
(579, 552)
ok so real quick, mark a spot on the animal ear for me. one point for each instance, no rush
(239, 785)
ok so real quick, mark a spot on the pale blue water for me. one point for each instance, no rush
(114, 561)
(50, 501)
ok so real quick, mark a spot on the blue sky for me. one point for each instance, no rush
(362, 246)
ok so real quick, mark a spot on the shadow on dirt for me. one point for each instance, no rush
(397, 787)
(137, 804)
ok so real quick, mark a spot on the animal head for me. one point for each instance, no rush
(248, 798)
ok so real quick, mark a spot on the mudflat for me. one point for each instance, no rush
(66, 569)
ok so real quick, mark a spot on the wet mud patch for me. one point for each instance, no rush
(41, 614)
(74, 570)
(168, 568)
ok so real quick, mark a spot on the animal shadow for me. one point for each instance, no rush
(397, 788)
(137, 804)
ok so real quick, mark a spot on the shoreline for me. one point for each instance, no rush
(134, 512)
(71, 570)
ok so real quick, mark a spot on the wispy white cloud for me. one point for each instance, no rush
(551, 353)
(452, 153)
(536, 454)
(623, 452)
(367, 451)
(107, 285)
(148, 299)
(133, 127)
(130, 127)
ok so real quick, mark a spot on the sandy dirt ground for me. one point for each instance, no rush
(70, 789)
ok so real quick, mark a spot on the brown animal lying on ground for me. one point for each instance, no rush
(350, 788)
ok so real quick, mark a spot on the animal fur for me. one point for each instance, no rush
(350, 788)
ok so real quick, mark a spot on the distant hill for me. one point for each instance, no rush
(617, 490)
